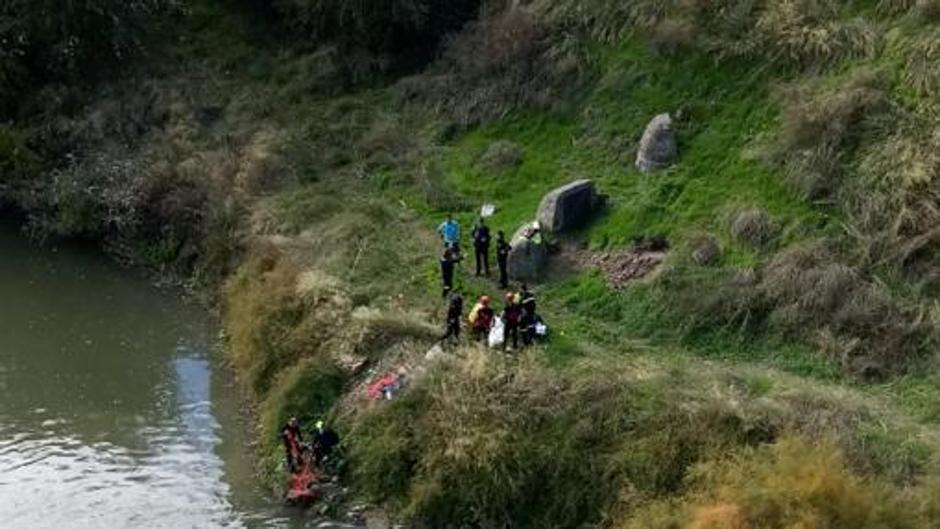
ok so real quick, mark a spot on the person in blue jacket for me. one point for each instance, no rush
(450, 233)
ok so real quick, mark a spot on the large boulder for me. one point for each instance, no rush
(568, 206)
(658, 145)
(528, 255)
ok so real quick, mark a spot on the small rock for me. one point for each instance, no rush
(658, 146)
(707, 252)
(435, 353)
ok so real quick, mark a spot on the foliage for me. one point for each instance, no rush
(47, 39)
(791, 483)
(393, 29)
(18, 167)
(500, 64)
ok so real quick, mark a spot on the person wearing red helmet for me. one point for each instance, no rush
(512, 314)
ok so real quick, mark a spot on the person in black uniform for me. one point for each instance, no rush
(502, 259)
(448, 262)
(481, 247)
(454, 315)
(324, 441)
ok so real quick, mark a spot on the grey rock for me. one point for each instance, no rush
(336, 525)
(658, 146)
(528, 255)
(435, 353)
(567, 207)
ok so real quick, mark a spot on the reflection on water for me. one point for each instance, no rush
(111, 414)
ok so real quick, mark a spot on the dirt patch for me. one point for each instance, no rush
(621, 267)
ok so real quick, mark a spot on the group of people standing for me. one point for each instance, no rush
(518, 319)
(450, 234)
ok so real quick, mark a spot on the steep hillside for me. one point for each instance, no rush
(790, 379)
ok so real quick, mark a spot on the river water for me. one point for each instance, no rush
(113, 413)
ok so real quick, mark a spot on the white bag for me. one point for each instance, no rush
(541, 329)
(496, 334)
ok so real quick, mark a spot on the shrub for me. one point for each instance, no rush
(397, 27)
(813, 295)
(494, 66)
(18, 167)
(501, 155)
(478, 443)
(48, 39)
(791, 483)
(820, 123)
(812, 33)
(928, 10)
(753, 227)
(920, 69)
(809, 34)
(671, 36)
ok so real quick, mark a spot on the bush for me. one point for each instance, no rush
(671, 36)
(480, 444)
(277, 318)
(920, 69)
(808, 34)
(854, 320)
(501, 155)
(494, 66)
(396, 27)
(791, 483)
(753, 227)
(41, 40)
(18, 167)
(820, 123)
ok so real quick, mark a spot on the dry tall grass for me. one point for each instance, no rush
(803, 33)
(495, 66)
(486, 442)
(791, 483)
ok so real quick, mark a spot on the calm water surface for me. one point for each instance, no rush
(112, 411)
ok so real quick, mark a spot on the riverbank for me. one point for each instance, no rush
(802, 350)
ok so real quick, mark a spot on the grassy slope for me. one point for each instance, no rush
(730, 115)
(615, 412)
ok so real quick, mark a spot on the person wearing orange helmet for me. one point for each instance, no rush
(481, 318)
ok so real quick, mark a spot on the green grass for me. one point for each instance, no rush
(721, 125)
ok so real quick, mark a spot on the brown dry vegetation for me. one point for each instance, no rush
(481, 441)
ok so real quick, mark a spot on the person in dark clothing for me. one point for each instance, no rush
(527, 323)
(481, 247)
(528, 299)
(502, 259)
(454, 315)
(293, 440)
(324, 441)
(512, 314)
(448, 262)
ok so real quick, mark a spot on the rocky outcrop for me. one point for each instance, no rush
(568, 207)
(528, 255)
(658, 146)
